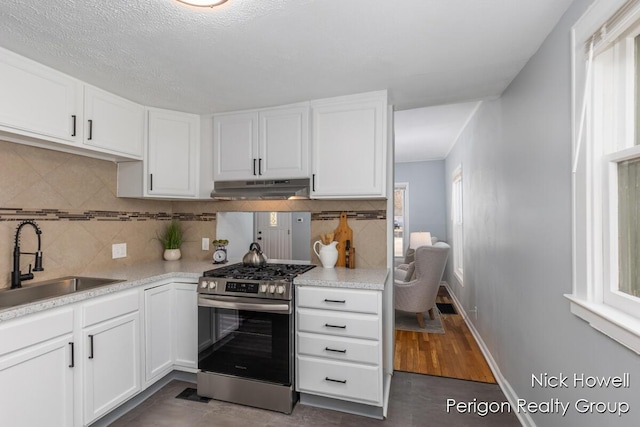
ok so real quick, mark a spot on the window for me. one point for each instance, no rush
(457, 223)
(400, 218)
(606, 191)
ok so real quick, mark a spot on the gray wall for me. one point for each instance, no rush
(516, 159)
(427, 208)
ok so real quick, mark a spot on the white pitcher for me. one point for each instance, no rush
(328, 253)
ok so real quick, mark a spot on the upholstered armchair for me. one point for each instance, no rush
(418, 292)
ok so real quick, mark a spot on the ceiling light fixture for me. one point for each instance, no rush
(203, 3)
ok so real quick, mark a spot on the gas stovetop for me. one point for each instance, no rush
(273, 281)
(269, 272)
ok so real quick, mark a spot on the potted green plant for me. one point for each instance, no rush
(172, 240)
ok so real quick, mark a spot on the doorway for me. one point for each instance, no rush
(273, 232)
(400, 218)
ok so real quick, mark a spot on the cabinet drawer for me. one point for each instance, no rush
(353, 325)
(33, 329)
(355, 300)
(360, 383)
(108, 307)
(345, 349)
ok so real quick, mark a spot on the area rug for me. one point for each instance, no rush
(192, 395)
(408, 322)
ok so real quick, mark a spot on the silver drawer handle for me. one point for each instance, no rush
(335, 381)
(334, 350)
(335, 326)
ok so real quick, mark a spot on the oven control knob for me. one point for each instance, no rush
(204, 284)
(280, 290)
(213, 284)
(264, 288)
(272, 289)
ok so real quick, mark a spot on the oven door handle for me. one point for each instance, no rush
(237, 303)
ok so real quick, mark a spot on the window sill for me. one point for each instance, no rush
(615, 324)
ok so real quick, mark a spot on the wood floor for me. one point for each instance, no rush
(454, 354)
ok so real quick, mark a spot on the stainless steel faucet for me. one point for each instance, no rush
(16, 275)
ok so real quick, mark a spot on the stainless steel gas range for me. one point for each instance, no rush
(246, 333)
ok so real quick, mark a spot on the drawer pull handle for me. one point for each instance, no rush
(72, 356)
(334, 350)
(335, 381)
(90, 346)
(335, 326)
(335, 300)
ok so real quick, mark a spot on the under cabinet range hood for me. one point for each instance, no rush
(278, 189)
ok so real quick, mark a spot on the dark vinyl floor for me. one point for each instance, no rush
(415, 400)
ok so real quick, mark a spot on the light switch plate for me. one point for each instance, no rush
(118, 250)
(205, 243)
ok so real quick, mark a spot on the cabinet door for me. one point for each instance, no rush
(113, 124)
(185, 335)
(235, 146)
(349, 149)
(173, 143)
(158, 327)
(37, 385)
(36, 99)
(284, 143)
(112, 364)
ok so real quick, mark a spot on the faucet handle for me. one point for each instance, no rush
(38, 266)
(27, 276)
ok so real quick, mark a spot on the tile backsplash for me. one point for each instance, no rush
(73, 200)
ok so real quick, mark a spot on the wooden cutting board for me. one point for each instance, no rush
(341, 235)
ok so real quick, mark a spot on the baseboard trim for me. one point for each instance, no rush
(142, 396)
(510, 394)
(342, 406)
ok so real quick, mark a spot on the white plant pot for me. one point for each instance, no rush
(172, 254)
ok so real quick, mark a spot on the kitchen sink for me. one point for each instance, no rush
(50, 289)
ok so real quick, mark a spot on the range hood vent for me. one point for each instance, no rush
(261, 190)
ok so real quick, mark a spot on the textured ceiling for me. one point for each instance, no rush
(255, 53)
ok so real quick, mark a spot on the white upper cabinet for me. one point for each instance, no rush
(349, 139)
(284, 143)
(266, 144)
(113, 124)
(235, 138)
(38, 101)
(172, 153)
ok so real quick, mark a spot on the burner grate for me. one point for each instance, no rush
(267, 272)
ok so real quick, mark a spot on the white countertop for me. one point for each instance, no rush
(341, 277)
(133, 276)
(142, 274)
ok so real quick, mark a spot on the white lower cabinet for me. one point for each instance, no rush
(170, 329)
(75, 364)
(350, 381)
(111, 352)
(158, 326)
(37, 370)
(338, 344)
(185, 326)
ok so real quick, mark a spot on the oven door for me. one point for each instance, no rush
(246, 337)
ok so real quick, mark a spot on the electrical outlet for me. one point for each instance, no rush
(118, 250)
(205, 243)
